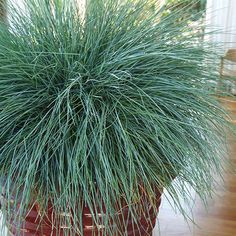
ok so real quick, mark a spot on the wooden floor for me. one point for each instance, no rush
(219, 220)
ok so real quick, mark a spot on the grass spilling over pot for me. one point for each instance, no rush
(98, 103)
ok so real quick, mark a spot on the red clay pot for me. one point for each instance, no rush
(34, 226)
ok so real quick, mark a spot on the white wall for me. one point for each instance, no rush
(221, 14)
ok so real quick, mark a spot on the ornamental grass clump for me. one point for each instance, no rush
(100, 102)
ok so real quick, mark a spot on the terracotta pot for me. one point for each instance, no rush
(34, 226)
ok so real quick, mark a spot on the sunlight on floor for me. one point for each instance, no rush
(168, 216)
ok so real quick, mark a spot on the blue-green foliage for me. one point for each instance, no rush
(93, 107)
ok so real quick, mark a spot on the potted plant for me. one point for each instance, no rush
(100, 108)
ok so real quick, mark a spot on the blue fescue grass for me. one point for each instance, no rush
(92, 107)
